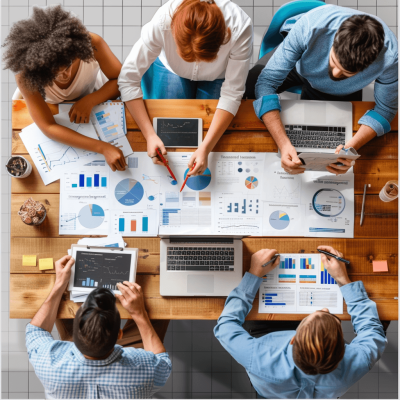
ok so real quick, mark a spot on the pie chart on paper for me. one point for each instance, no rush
(129, 192)
(198, 182)
(251, 182)
(91, 216)
(279, 220)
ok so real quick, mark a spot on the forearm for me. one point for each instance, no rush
(108, 91)
(273, 123)
(363, 136)
(219, 125)
(138, 111)
(151, 341)
(69, 137)
(46, 316)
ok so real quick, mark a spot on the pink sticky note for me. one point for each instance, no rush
(380, 266)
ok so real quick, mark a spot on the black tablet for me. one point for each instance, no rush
(179, 132)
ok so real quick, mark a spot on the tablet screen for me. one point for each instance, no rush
(101, 269)
(178, 132)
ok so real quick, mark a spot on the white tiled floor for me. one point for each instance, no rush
(202, 368)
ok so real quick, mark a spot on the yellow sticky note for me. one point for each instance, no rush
(29, 261)
(46, 263)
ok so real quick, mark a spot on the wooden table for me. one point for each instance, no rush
(375, 240)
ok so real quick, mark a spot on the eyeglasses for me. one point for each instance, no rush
(65, 70)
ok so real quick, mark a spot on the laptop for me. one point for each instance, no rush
(200, 266)
(317, 126)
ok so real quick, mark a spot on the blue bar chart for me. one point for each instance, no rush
(135, 223)
(287, 263)
(87, 180)
(326, 278)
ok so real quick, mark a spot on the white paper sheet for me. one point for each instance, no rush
(52, 158)
(299, 285)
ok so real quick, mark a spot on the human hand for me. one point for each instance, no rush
(154, 143)
(340, 169)
(80, 111)
(199, 161)
(336, 269)
(290, 162)
(132, 299)
(260, 258)
(114, 157)
(63, 270)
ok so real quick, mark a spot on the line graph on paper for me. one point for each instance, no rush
(286, 193)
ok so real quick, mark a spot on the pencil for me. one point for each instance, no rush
(334, 256)
(187, 176)
(166, 164)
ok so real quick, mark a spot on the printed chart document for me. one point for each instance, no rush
(134, 198)
(109, 122)
(52, 158)
(299, 285)
(224, 200)
(84, 201)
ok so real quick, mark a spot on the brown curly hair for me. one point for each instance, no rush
(38, 47)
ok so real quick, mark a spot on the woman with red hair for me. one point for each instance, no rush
(198, 49)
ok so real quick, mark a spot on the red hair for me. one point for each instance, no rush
(199, 30)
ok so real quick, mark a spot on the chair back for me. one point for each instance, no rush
(272, 37)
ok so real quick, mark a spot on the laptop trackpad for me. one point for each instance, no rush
(315, 113)
(200, 284)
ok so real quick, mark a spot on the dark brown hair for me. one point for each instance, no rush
(199, 30)
(97, 324)
(318, 345)
(38, 47)
(358, 42)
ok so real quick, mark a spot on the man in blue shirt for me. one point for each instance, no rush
(333, 52)
(313, 361)
(93, 366)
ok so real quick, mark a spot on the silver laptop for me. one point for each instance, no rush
(317, 126)
(200, 266)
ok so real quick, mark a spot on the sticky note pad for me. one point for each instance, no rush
(46, 263)
(29, 261)
(380, 266)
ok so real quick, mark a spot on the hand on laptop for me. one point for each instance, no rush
(340, 169)
(289, 160)
(259, 259)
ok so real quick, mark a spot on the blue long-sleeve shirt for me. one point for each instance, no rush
(269, 362)
(307, 47)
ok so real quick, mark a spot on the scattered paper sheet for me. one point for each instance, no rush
(380, 266)
(46, 263)
(300, 284)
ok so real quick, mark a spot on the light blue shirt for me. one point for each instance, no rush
(128, 373)
(269, 362)
(307, 47)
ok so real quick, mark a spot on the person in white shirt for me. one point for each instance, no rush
(199, 49)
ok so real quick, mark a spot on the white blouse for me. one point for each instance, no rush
(156, 40)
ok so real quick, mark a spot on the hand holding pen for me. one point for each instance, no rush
(165, 162)
(263, 262)
(187, 177)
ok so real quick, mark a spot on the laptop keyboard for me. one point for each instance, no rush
(200, 259)
(317, 137)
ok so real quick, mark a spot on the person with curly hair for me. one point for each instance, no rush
(55, 59)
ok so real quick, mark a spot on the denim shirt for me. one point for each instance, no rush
(268, 360)
(307, 47)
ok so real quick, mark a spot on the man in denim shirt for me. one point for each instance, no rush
(313, 361)
(333, 53)
(93, 366)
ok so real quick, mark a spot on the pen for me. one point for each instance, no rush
(272, 260)
(165, 163)
(363, 203)
(187, 176)
(332, 255)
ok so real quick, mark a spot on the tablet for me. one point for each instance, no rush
(98, 267)
(179, 132)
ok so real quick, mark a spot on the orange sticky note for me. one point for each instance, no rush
(45, 263)
(380, 266)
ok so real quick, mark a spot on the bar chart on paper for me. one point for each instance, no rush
(134, 223)
(326, 278)
(279, 298)
(287, 263)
